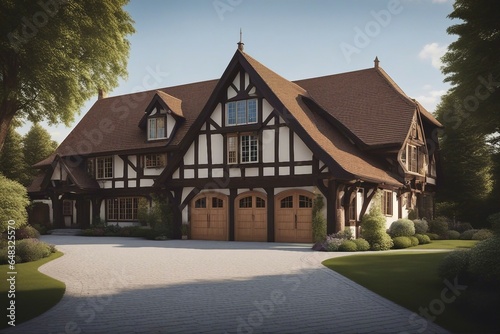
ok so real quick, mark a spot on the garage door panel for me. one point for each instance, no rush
(209, 217)
(294, 216)
(250, 217)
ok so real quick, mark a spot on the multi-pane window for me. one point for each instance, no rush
(387, 203)
(201, 203)
(91, 167)
(260, 202)
(287, 202)
(241, 112)
(154, 160)
(305, 202)
(124, 208)
(413, 158)
(247, 149)
(217, 202)
(156, 128)
(67, 208)
(246, 202)
(104, 168)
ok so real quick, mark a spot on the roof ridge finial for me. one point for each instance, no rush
(376, 61)
(240, 43)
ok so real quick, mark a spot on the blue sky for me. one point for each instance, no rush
(183, 41)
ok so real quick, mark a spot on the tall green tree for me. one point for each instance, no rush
(472, 62)
(12, 163)
(56, 54)
(466, 160)
(38, 145)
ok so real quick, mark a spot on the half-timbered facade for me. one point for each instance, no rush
(243, 157)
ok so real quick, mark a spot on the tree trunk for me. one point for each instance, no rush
(5, 121)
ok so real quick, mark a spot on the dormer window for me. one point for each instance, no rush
(241, 112)
(156, 128)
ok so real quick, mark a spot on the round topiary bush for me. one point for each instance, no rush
(414, 241)
(32, 249)
(485, 261)
(26, 232)
(361, 244)
(452, 235)
(332, 244)
(455, 264)
(401, 242)
(422, 239)
(421, 226)
(482, 234)
(402, 228)
(13, 203)
(438, 226)
(432, 236)
(467, 235)
(348, 246)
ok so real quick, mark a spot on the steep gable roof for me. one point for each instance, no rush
(368, 103)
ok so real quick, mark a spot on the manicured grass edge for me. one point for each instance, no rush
(35, 292)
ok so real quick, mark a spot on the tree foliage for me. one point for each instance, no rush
(373, 226)
(12, 163)
(38, 145)
(56, 54)
(318, 220)
(472, 63)
(13, 203)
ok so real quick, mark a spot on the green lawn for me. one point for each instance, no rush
(35, 292)
(409, 279)
(447, 244)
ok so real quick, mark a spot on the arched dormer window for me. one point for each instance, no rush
(156, 125)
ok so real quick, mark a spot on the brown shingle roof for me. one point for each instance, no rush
(368, 102)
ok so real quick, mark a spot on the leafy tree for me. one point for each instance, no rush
(13, 203)
(38, 145)
(55, 55)
(472, 63)
(12, 163)
(318, 220)
(466, 160)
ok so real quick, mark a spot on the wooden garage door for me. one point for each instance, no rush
(293, 216)
(209, 217)
(251, 217)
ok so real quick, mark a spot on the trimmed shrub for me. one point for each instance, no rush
(455, 264)
(332, 244)
(345, 234)
(13, 203)
(27, 232)
(402, 228)
(373, 227)
(401, 242)
(485, 261)
(414, 241)
(452, 235)
(318, 220)
(432, 236)
(348, 246)
(42, 229)
(494, 221)
(421, 226)
(482, 234)
(460, 227)
(467, 235)
(423, 239)
(33, 249)
(439, 226)
(361, 244)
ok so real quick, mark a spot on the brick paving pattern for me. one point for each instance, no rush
(126, 285)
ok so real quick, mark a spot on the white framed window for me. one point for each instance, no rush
(243, 148)
(154, 160)
(241, 112)
(249, 145)
(413, 159)
(104, 168)
(156, 128)
(387, 203)
(122, 209)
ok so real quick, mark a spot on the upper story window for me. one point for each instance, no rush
(100, 168)
(156, 128)
(154, 160)
(243, 147)
(241, 112)
(413, 158)
(104, 168)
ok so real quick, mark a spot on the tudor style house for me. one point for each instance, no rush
(242, 157)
